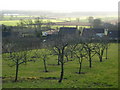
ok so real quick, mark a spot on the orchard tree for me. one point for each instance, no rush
(101, 46)
(60, 43)
(80, 53)
(90, 47)
(56, 52)
(70, 49)
(67, 54)
(43, 55)
(17, 58)
(61, 50)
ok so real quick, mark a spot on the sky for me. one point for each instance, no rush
(60, 5)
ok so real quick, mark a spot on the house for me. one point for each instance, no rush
(87, 32)
(100, 31)
(49, 32)
(72, 31)
(93, 32)
(113, 34)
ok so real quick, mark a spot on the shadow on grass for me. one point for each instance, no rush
(22, 79)
(52, 78)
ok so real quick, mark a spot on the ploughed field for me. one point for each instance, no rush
(31, 75)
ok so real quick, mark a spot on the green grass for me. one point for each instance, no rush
(14, 22)
(101, 75)
(10, 23)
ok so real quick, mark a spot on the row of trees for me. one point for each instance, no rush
(79, 48)
(64, 47)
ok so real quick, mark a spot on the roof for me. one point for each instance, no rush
(98, 30)
(94, 30)
(88, 32)
(113, 33)
(67, 30)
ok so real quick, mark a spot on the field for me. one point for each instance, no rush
(82, 20)
(101, 75)
(10, 23)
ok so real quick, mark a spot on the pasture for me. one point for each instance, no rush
(31, 75)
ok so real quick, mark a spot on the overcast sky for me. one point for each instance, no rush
(60, 5)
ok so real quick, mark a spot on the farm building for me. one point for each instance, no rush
(91, 32)
(72, 31)
(49, 32)
(113, 34)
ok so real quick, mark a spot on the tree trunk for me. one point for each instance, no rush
(80, 68)
(100, 57)
(45, 67)
(62, 72)
(71, 55)
(106, 53)
(90, 60)
(17, 67)
(62, 65)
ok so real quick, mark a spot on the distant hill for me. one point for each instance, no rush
(56, 14)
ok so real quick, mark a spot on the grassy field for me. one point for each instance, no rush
(101, 75)
(10, 23)
(14, 22)
(82, 19)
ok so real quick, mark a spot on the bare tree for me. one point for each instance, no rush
(80, 53)
(17, 59)
(61, 50)
(43, 55)
(60, 43)
(71, 49)
(100, 48)
(89, 47)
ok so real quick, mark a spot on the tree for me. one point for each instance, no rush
(80, 53)
(89, 47)
(36, 25)
(100, 50)
(56, 52)
(107, 46)
(60, 43)
(17, 55)
(97, 23)
(61, 50)
(91, 19)
(17, 59)
(48, 25)
(101, 46)
(77, 19)
(70, 50)
(67, 54)
(43, 55)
